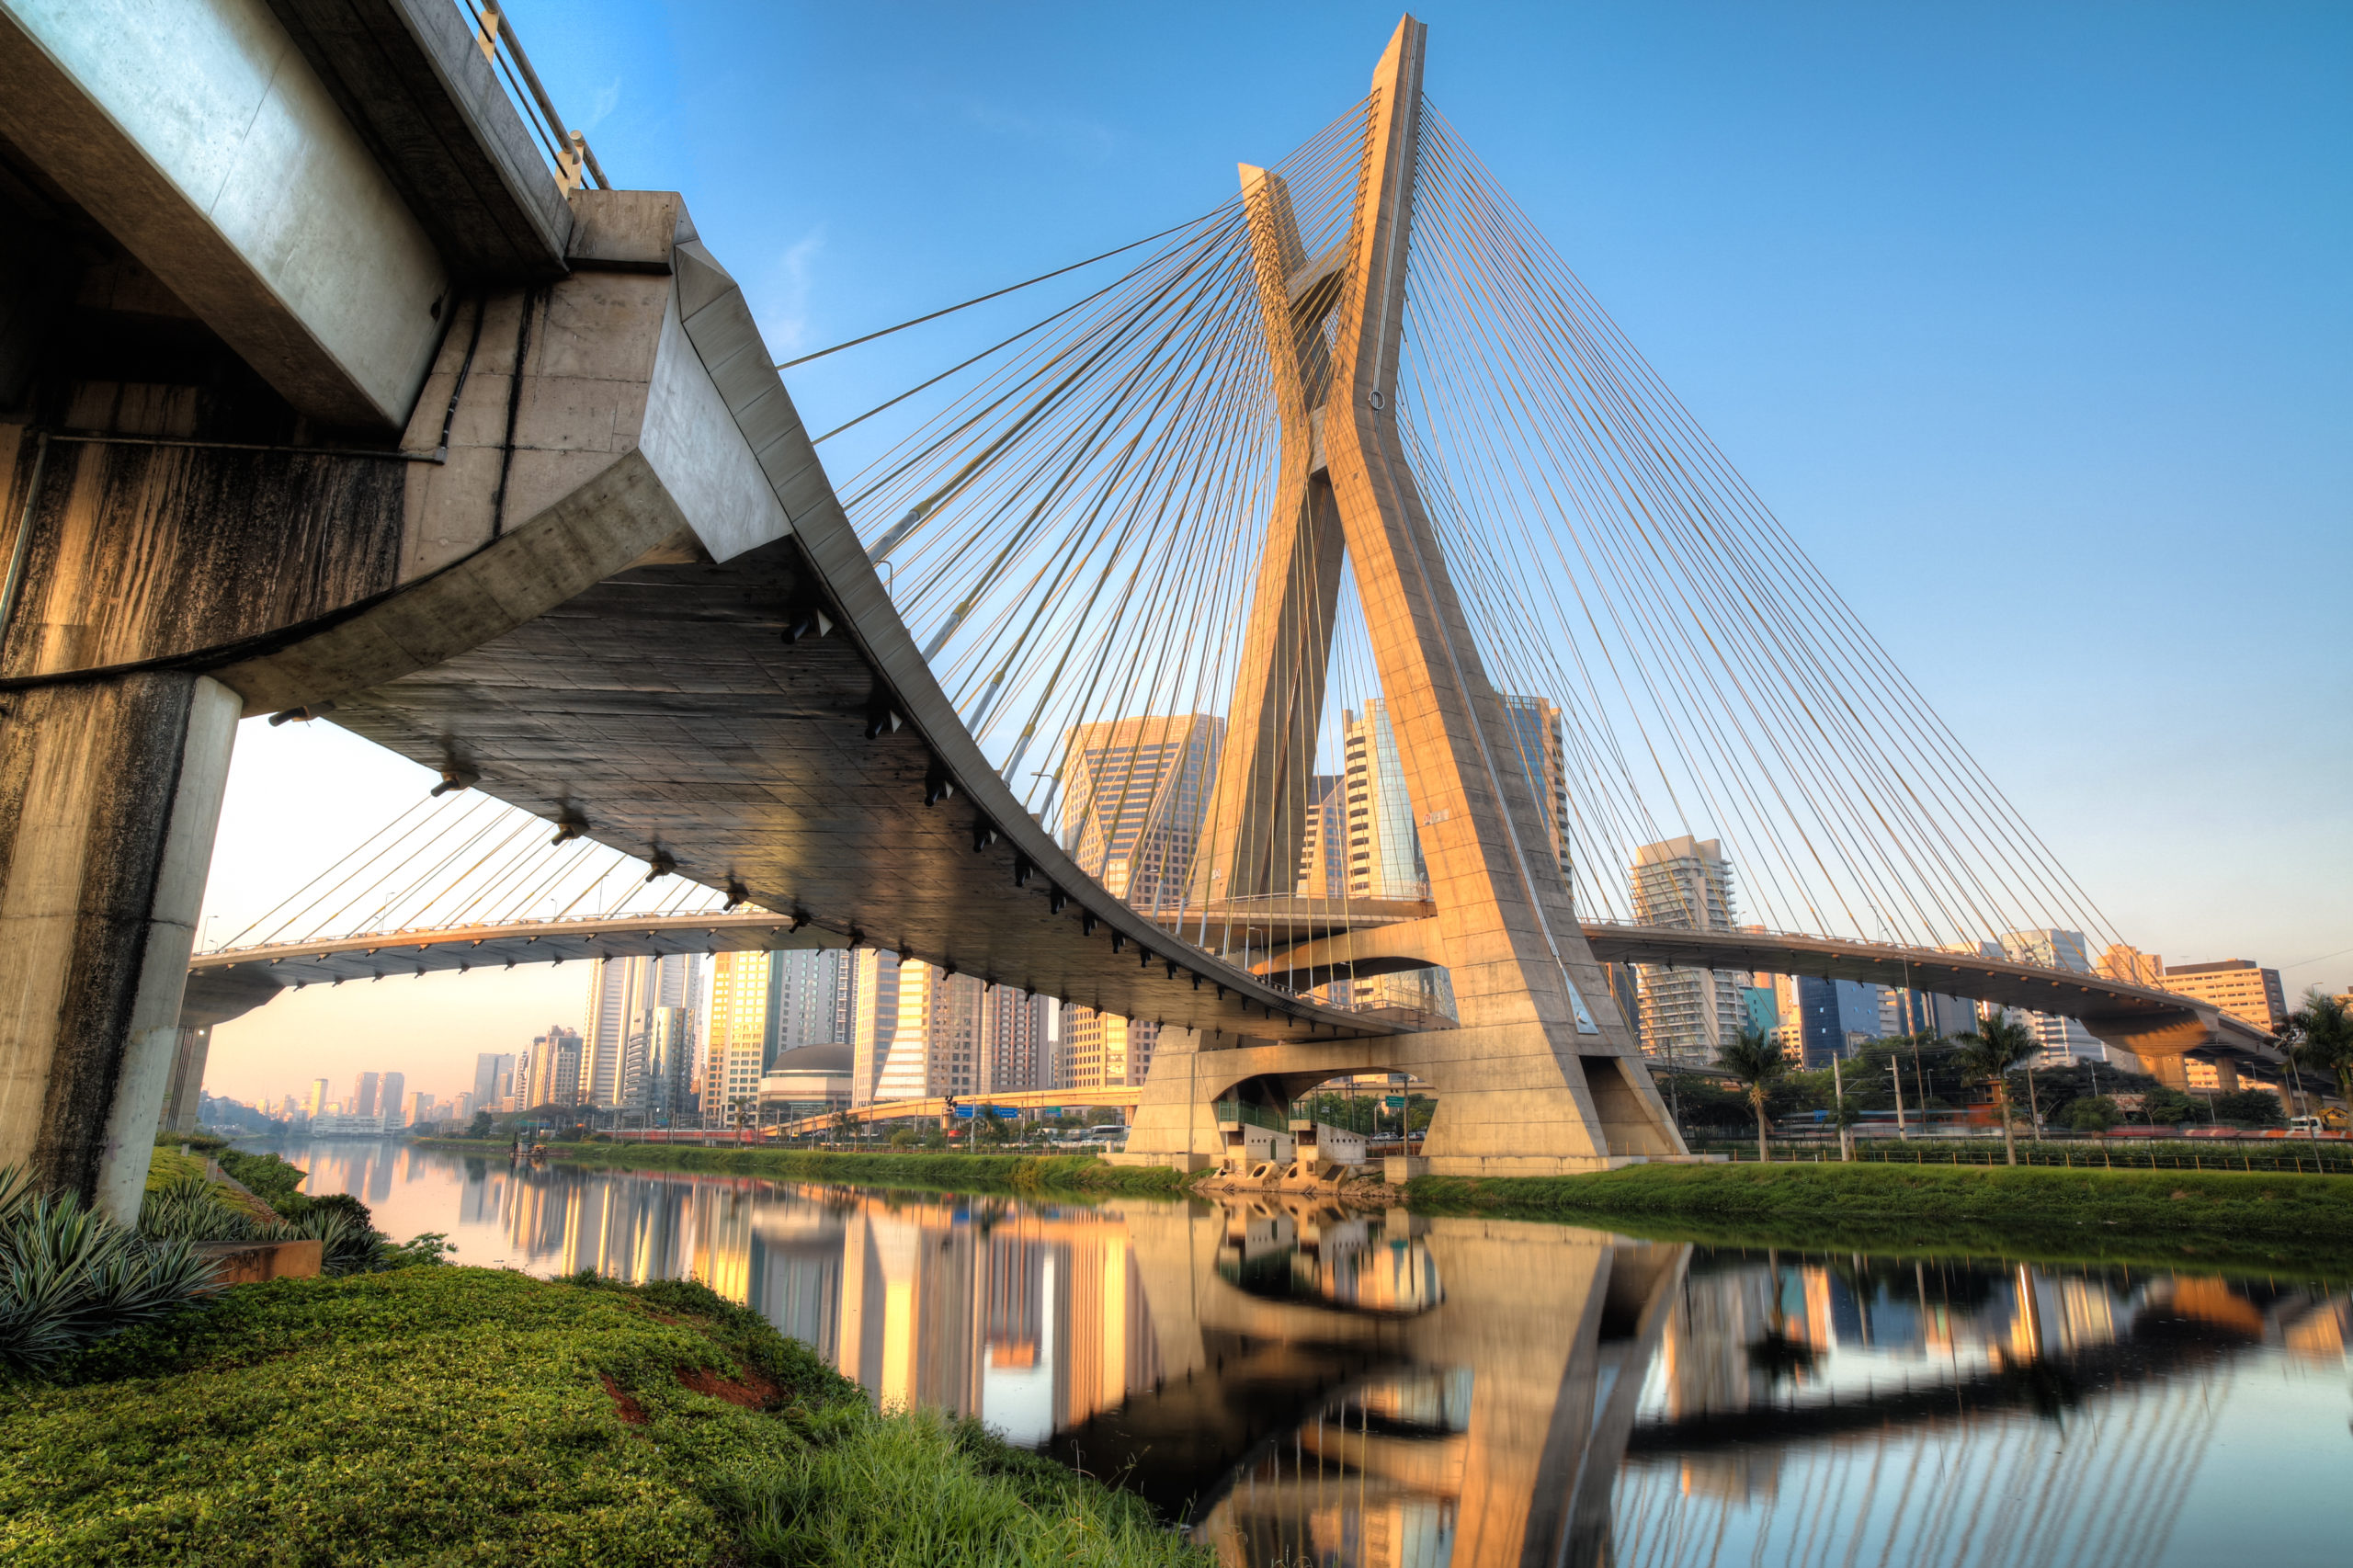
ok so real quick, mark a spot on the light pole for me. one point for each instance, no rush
(1895, 1071)
(1838, 1104)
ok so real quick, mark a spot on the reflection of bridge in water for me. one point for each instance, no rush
(1314, 1384)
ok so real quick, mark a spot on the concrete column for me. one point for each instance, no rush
(183, 1091)
(110, 793)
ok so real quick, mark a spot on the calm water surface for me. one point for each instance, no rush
(1311, 1386)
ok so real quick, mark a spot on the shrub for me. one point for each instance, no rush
(193, 1209)
(269, 1177)
(69, 1276)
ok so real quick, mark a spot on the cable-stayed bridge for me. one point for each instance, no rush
(1334, 578)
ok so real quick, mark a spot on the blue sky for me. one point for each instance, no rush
(2029, 320)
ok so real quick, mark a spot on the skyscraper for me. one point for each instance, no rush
(623, 994)
(737, 1052)
(1132, 794)
(1102, 1050)
(1536, 726)
(2062, 1039)
(1688, 1014)
(493, 1078)
(811, 999)
(1385, 846)
(1324, 850)
(317, 1104)
(875, 985)
(1015, 1042)
(363, 1095)
(389, 1101)
(553, 1073)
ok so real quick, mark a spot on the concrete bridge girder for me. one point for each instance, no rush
(579, 423)
(1482, 1078)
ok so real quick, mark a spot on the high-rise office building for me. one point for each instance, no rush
(811, 999)
(1536, 726)
(2062, 1039)
(622, 995)
(493, 1079)
(1384, 858)
(936, 1047)
(1324, 848)
(1016, 1042)
(1102, 1050)
(1904, 1012)
(875, 1021)
(419, 1109)
(1133, 791)
(2240, 987)
(317, 1104)
(2130, 964)
(363, 1095)
(1688, 1014)
(736, 1053)
(1828, 1020)
(1384, 845)
(389, 1100)
(551, 1073)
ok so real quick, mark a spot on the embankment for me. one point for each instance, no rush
(980, 1172)
(2264, 1221)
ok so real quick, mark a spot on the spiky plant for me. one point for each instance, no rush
(69, 1276)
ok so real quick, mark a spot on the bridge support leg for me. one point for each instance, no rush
(184, 1089)
(1174, 1122)
(110, 793)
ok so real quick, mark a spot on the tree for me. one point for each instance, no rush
(481, 1127)
(1757, 1062)
(2253, 1108)
(2320, 1036)
(1989, 1054)
(2092, 1113)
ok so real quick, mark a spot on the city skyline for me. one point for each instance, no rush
(1848, 328)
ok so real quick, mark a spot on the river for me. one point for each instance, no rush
(1304, 1384)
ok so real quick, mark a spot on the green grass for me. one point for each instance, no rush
(467, 1415)
(2261, 1221)
(994, 1173)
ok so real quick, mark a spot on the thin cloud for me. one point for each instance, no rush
(785, 323)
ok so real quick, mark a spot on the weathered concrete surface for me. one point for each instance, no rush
(196, 132)
(413, 80)
(255, 1263)
(110, 793)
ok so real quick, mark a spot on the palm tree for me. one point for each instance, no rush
(2320, 1037)
(1988, 1055)
(1756, 1060)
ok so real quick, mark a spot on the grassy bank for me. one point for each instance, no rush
(474, 1415)
(985, 1173)
(2299, 1224)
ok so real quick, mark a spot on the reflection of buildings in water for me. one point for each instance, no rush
(2000, 1414)
(1323, 1253)
(1374, 1479)
(1349, 1389)
(2009, 1488)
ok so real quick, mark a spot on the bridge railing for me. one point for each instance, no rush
(568, 149)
